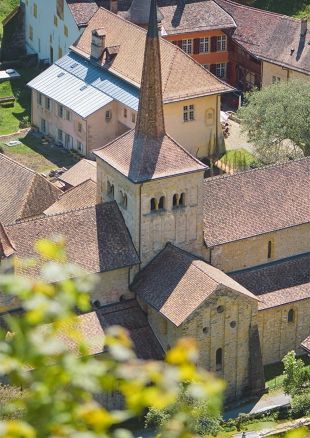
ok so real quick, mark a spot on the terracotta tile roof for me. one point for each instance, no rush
(92, 327)
(23, 193)
(166, 158)
(176, 283)
(83, 195)
(306, 344)
(278, 283)
(129, 315)
(88, 327)
(256, 202)
(189, 16)
(182, 77)
(82, 10)
(270, 36)
(96, 238)
(80, 172)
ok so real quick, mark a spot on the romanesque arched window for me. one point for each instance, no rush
(219, 359)
(153, 204)
(123, 199)
(161, 204)
(178, 200)
(291, 315)
(110, 190)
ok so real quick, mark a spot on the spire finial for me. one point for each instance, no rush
(150, 119)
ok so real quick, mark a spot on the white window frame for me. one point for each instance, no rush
(221, 43)
(204, 46)
(60, 111)
(39, 98)
(187, 46)
(48, 103)
(188, 113)
(220, 70)
(68, 115)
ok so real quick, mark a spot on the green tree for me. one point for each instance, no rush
(60, 387)
(296, 375)
(204, 418)
(277, 120)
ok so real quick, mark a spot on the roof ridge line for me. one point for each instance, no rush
(268, 166)
(36, 218)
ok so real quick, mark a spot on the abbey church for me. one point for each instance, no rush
(224, 260)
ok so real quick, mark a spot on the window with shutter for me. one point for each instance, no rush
(213, 44)
(196, 45)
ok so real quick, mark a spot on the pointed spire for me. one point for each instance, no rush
(150, 119)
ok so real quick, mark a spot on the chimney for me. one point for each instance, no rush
(303, 27)
(114, 6)
(97, 43)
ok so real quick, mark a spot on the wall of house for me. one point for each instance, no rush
(54, 122)
(203, 58)
(254, 251)
(273, 72)
(111, 286)
(101, 130)
(181, 226)
(278, 336)
(199, 135)
(228, 330)
(245, 70)
(46, 34)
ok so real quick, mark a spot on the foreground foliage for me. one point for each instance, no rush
(296, 382)
(276, 119)
(60, 387)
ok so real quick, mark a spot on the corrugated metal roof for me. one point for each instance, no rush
(101, 79)
(69, 91)
(84, 88)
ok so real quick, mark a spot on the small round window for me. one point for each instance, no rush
(205, 330)
(233, 324)
(220, 309)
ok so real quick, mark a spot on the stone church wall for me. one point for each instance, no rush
(277, 335)
(215, 327)
(245, 253)
(111, 286)
(181, 226)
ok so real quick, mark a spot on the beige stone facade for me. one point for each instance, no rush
(278, 334)
(97, 130)
(227, 330)
(253, 251)
(273, 73)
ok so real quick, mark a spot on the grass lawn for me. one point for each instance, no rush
(10, 116)
(38, 157)
(238, 159)
(6, 6)
(273, 373)
(295, 8)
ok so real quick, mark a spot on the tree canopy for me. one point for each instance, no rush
(60, 388)
(277, 120)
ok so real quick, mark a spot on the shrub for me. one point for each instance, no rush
(301, 405)
(24, 123)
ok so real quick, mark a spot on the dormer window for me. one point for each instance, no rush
(110, 190)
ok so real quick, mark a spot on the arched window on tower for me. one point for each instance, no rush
(153, 205)
(161, 204)
(110, 190)
(178, 200)
(291, 316)
(219, 359)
